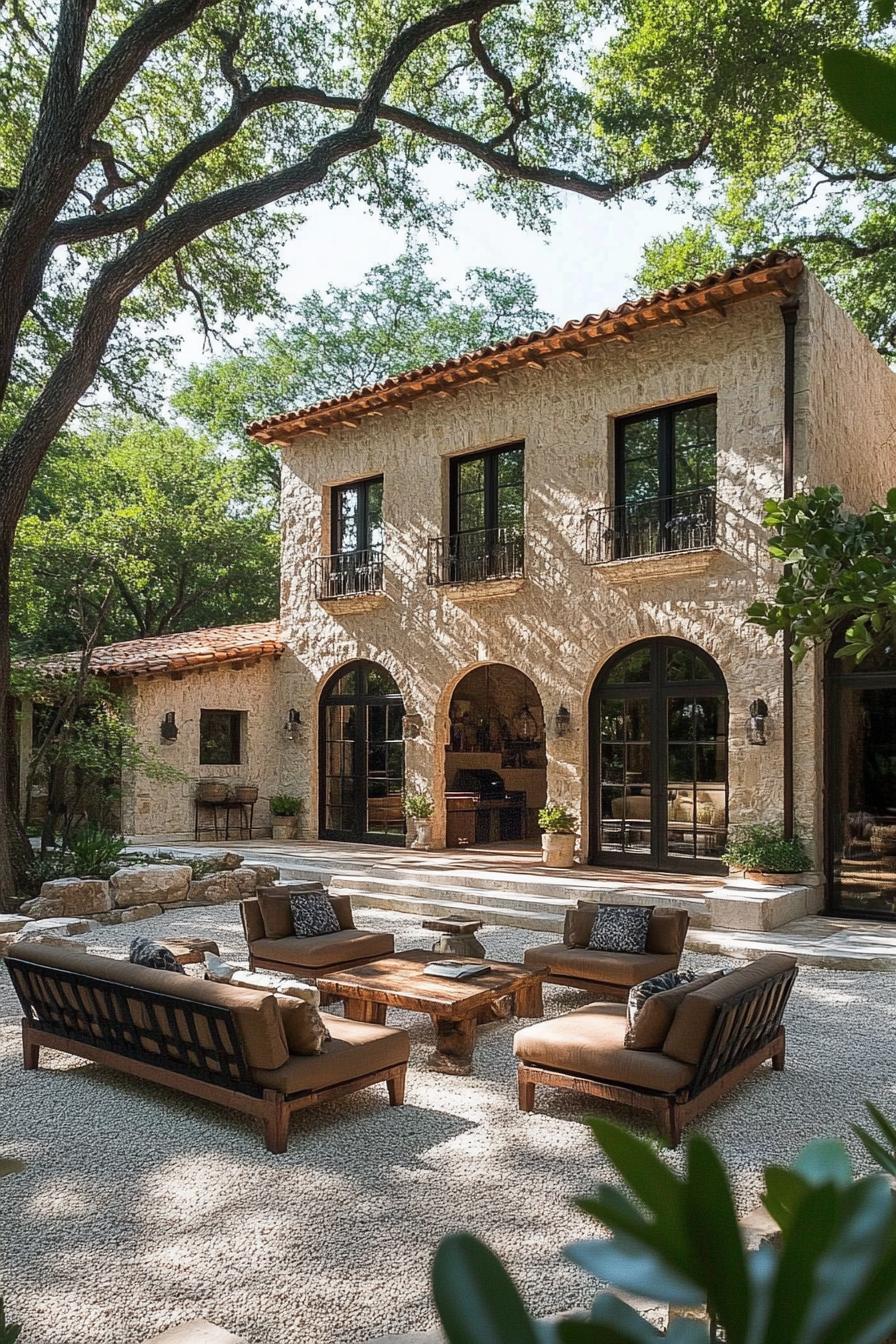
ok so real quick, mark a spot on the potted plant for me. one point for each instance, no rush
(765, 855)
(285, 811)
(418, 808)
(558, 835)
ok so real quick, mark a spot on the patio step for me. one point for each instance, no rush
(504, 915)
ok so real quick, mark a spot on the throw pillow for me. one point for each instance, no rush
(639, 994)
(303, 1026)
(144, 952)
(275, 912)
(578, 924)
(312, 914)
(620, 928)
(651, 1026)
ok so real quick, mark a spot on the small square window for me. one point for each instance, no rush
(220, 734)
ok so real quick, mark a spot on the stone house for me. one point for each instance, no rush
(521, 575)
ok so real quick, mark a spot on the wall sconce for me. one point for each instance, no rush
(411, 726)
(293, 724)
(168, 727)
(756, 724)
(562, 721)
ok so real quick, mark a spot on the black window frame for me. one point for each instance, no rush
(235, 734)
(489, 458)
(336, 491)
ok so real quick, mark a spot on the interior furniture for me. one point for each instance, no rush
(718, 1034)
(190, 951)
(609, 974)
(214, 1041)
(455, 1006)
(274, 947)
(458, 936)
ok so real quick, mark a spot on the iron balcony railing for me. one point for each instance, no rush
(682, 522)
(475, 557)
(349, 574)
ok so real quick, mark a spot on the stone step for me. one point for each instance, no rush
(504, 916)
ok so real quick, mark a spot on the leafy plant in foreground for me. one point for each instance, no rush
(831, 1279)
(9, 1333)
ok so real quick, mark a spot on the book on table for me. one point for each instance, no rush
(456, 970)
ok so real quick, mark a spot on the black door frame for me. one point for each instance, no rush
(361, 702)
(656, 690)
(489, 457)
(668, 486)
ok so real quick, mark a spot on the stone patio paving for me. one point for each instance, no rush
(138, 1208)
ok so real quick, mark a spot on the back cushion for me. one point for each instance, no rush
(306, 1033)
(253, 924)
(651, 1026)
(275, 912)
(696, 1016)
(666, 931)
(578, 924)
(343, 908)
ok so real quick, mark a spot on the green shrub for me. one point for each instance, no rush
(763, 847)
(9, 1333)
(95, 852)
(419, 806)
(556, 820)
(285, 805)
(44, 868)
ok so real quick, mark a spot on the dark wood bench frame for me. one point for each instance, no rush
(58, 1022)
(748, 1030)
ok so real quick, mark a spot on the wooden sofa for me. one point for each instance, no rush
(609, 974)
(267, 924)
(714, 1034)
(213, 1041)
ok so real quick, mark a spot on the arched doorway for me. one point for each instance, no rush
(861, 782)
(658, 717)
(495, 762)
(362, 756)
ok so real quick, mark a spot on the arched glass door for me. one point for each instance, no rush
(659, 758)
(362, 757)
(861, 783)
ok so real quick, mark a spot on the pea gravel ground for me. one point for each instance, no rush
(138, 1208)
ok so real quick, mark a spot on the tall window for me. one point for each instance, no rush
(486, 520)
(357, 522)
(666, 479)
(220, 736)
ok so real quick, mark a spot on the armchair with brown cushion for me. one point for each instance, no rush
(267, 924)
(696, 1043)
(610, 974)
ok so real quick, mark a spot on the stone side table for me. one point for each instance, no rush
(458, 936)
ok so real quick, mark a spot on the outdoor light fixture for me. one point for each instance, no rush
(756, 723)
(411, 725)
(168, 727)
(293, 724)
(562, 721)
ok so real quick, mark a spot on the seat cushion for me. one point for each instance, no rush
(611, 968)
(589, 1042)
(331, 949)
(695, 1017)
(354, 1049)
(654, 1018)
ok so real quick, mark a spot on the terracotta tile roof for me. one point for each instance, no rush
(773, 273)
(175, 653)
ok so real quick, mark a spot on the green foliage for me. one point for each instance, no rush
(285, 805)
(841, 567)
(864, 84)
(163, 857)
(676, 1237)
(763, 848)
(556, 820)
(884, 1156)
(418, 805)
(9, 1332)
(95, 852)
(46, 867)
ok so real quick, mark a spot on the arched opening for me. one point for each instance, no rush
(861, 782)
(362, 756)
(495, 763)
(658, 723)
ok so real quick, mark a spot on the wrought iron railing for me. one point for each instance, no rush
(682, 522)
(349, 574)
(475, 557)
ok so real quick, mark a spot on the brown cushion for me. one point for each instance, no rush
(667, 931)
(302, 1025)
(343, 908)
(695, 1017)
(255, 1015)
(355, 1048)
(275, 912)
(611, 968)
(331, 949)
(589, 1042)
(654, 1020)
(577, 925)
(253, 924)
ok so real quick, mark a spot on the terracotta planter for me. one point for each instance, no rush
(422, 833)
(557, 851)
(245, 793)
(284, 828)
(209, 792)
(773, 879)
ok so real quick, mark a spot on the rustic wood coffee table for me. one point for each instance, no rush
(455, 1006)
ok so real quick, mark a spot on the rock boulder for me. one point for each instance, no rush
(216, 889)
(43, 907)
(12, 923)
(265, 873)
(135, 912)
(150, 883)
(59, 932)
(79, 895)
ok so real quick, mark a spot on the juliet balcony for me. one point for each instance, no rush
(663, 526)
(350, 577)
(487, 562)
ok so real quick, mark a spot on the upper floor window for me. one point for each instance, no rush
(486, 519)
(220, 736)
(357, 518)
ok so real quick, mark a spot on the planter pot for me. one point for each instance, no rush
(422, 833)
(558, 851)
(284, 828)
(209, 792)
(245, 793)
(773, 879)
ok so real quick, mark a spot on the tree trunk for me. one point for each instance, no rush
(14, 846)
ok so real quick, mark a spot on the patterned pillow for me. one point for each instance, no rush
(620, 928)
(312, 914)
(639, 994)
(144, 952)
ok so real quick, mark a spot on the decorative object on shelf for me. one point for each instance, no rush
(293, 724)
(562, 721)
(411, 726)
(756, 724)
(285, 809)
(418, 808)
(558, 828)
(168, 727)
(525, 727)
(766, 855)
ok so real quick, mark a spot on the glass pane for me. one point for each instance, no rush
(640, 460)
(708, 722)
(637, 764)
(471, 475)
(348, 507)
(219, 737)
(711, 763)
(704, 671)
(374, 514)
(510, 507)
(471, 513)
(612, 765)
(679, 664)
(637, 720)
(380, 682)
(510, 467)
(634, 668)
(394, 718)
(376, 723)
(612, 720)
(695, 447)
(681, 766)
(680, 719)
(864, 799)
(346, 685)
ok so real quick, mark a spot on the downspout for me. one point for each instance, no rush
(789, 313)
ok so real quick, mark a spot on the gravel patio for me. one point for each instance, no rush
(140, 1208)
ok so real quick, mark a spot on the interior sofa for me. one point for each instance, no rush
(214, 1041)
(609, 974)
(702, 1038)
(273, 946)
